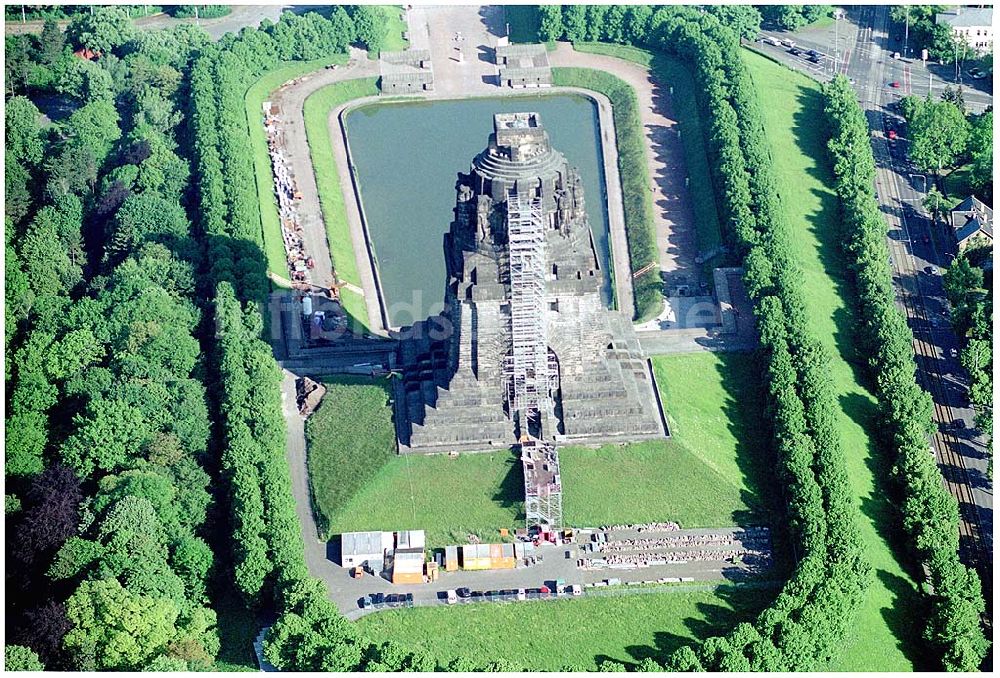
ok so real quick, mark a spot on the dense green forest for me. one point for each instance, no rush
(118, 435)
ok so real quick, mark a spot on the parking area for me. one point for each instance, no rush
(597, 558)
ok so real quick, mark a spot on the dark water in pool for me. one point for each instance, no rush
(407, 157)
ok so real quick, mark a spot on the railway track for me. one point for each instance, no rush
(945, 444)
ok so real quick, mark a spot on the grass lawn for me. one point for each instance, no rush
(256, 95)
(886, 632)
(448, 497)
(349, 438)
(708, 474)
(395, 27)
(673, 73)
(956, 185)
(338, 234)
(549, 635)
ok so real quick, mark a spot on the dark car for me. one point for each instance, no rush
(814, 53)
(464, 593)
(378, 600)
(492, 595)
(476, 595)
(408, 600)
(364, 602)
(814, 59)
(795, 51)
(533, 593)
(894, 84)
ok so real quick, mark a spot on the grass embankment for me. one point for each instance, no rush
(549, 635)
(395, 24)
(256, 95)
(338, 234)
(637, 196)
(884, 635)
(350, 437)
(709, 474)
(671, 72)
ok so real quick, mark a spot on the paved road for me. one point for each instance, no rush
(673, 213)
(920, 250)
(846, 47)
(290, 99)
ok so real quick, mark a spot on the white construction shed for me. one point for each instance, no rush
(365, 549)
(410, 539)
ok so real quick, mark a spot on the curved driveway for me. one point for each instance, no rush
(673, 213)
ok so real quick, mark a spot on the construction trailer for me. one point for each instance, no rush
(488, 557)
(410, 539)
(408, 566)
(365, 549)
(450, 558)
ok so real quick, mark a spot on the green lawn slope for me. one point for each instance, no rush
(338, 234)
(577, 634)
(886, 632)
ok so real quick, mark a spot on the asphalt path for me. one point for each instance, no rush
(920, 250)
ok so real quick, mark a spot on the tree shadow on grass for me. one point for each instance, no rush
(904, 616)
(880, 509)
(510, 492)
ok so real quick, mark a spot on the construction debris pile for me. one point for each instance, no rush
(750, 548)
(643, 527)
(308, 394)
(299, 262)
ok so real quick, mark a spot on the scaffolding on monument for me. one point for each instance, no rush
(542, 484)
(528, 369)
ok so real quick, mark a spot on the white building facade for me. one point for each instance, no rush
(971, 25)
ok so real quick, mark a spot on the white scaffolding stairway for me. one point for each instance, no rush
(528, 370)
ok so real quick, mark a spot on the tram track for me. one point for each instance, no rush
(913, 301)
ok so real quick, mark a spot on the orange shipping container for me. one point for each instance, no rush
(496, 551)
(407, 577)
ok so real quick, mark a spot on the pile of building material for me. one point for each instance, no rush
(299, 261)
(644, 527)
(308, 395)
(664, 544)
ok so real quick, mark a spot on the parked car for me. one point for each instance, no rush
(463, 593)
(408, 602)
(976, 73)
(378, 600)
(451, 597)
(522, 594)
(365, 602)
(931, 270)
(577, 590)
(767, 39)
(894, 84)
